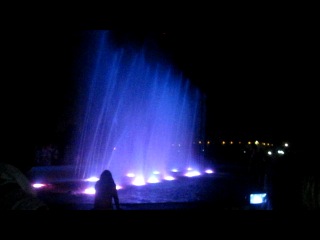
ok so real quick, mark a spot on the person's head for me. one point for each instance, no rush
(106, 176)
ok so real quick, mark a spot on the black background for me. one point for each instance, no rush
(256, 69)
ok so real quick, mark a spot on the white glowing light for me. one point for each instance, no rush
(153, 179)
(38, 185)
(174, 170)
(258, 198)
(130, 175)
(92, 179)
(192, 174)
(90, 190)
(169, 178)
(209, 171)
(138, 181)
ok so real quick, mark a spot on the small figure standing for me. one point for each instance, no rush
(106, 192)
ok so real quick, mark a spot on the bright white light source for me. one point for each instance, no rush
(153, 179)
(92, 179)
(280, 152)
(192, 173)
(258, 198)
(209, 171)
(169, 178)
(38, 185)
(139, 181)
(90, 190)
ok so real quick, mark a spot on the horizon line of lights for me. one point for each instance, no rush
(249, 142)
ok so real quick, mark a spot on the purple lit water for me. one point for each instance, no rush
(136, 114)
(219, 190)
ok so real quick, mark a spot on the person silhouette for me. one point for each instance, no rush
(106, 193)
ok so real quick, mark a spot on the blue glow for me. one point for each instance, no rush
(133, 111)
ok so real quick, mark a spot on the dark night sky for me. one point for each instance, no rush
(246, 76)
(255, 76)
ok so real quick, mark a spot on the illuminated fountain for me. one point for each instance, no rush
(138, 116)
